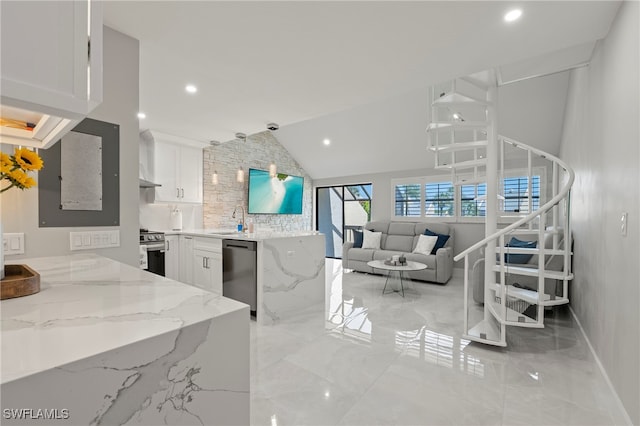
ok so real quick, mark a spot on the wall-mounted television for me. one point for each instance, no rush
(281, 194)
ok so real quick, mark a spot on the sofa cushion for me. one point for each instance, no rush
(402, 228)
(384, 254)
(357, 239)
(438, 228)
(442, 240)
(379, 226)
(402, 243)
(430, 260)
(426, 243)
(371, 240)
(363, 255)
(519, 258)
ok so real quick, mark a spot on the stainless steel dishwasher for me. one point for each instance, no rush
(239, 272)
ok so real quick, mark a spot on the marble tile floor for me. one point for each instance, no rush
(369, 359)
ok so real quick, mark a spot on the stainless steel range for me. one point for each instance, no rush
(153, 244)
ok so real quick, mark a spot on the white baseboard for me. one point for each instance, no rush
(602, 370)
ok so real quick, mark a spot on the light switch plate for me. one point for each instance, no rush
(13, 243)
(91, 240)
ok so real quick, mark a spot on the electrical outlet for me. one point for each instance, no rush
(623, 223)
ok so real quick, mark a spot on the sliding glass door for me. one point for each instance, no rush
(339, 211)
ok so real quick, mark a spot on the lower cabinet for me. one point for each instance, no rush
(186, 259)
(172, 257)
(207, 264)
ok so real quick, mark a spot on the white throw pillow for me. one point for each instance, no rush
(371, 240)
(426, 243)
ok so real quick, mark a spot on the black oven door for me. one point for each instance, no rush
(155, 261)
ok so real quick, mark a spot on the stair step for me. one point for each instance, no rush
(475, 82)
(458, 146)
(442, 125)
(534, 231)
(531, 296)
(514, 318)
(533, 272)
(470, 181)
(522, 250)
(486, 332)
(457, 99)
(463, 164)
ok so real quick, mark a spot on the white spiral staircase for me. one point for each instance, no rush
(463, 136)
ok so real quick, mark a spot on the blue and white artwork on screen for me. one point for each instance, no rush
(281, 194)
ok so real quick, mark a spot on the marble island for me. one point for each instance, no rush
(112, 344)
(290, 269)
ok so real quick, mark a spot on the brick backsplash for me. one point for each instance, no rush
(257, 152)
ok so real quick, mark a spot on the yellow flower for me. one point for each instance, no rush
(18, 177)
(5, 163)
(27, 159)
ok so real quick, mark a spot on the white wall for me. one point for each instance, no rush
(120, 105)
(601, 142)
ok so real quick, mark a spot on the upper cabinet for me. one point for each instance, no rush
(50, 68)
(177, 167)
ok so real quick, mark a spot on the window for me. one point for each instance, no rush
(439, 199)
(407, 200)
(516, 194)
(514, 197)
(473, 200)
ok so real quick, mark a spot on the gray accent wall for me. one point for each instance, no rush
(601, 142)
(120, 105)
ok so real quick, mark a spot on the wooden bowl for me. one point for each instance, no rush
(19, 280)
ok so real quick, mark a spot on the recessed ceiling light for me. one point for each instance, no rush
(326, 142)
(142, 115)
(513, 15)
(191, 88)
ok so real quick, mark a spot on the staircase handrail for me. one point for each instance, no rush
(546, 207)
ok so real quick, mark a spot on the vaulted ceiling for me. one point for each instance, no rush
(296, 62)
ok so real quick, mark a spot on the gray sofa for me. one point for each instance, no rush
(401, 238)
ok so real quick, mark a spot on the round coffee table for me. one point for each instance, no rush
(409, 266)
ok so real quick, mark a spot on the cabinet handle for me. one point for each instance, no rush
(167, 243)
(207, 262)
(204, 263)
(177, 192)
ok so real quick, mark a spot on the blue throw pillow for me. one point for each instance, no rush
(442, 240)
(357, 239)
(519, 258)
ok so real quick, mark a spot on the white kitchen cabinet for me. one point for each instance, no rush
(172, 257)
(51, 67)
(178, 168)
(207, 264)
(186, 259)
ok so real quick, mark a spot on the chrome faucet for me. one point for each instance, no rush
(234, 215)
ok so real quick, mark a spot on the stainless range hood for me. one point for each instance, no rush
(146, 184)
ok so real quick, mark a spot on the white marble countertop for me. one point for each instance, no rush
(90, 304)
(234, 235)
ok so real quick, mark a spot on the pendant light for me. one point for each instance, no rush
(240, 175)
(214, 178)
